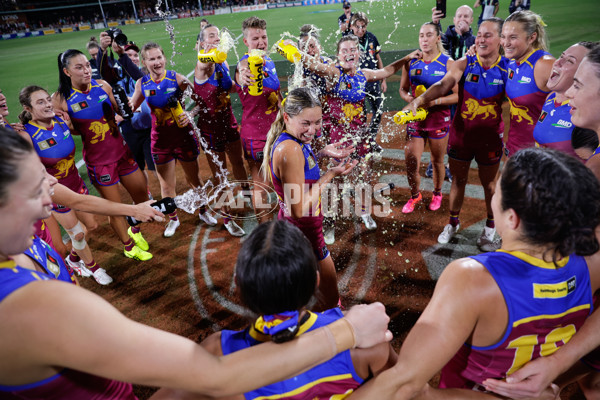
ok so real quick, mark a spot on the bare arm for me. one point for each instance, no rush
(391, 69)
(439, 89)
(542, 72)
(324, 70)
(288, 164)
(380, 66)
(97, 205)
(448, 321)
(90, 335)
(138, 97)
(405, 85)
(60, 108)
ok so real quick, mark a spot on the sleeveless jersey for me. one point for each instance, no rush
(93, 117)
(312, 174)
(426, 74)
(526, 101)
(56, 149)
(216, 114)
(480, 96)
(546, 306)
(347, 106)
(554, 127)
(67, 384)
(333, 379)
(259, 112)
(165, 134)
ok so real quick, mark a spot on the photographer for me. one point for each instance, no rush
(125, 72)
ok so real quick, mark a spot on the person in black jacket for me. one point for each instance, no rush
(458, 37)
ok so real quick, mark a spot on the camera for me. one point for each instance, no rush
(117, 36)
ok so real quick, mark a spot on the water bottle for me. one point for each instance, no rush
(406, 116)
(389, 186)
(255, 63)
(289, 51)
(419, 90)
(214, 56)
(176, 110)
(166, 206)
(122, 102)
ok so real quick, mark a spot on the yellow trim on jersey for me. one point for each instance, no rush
(551, 316)
(436, 59)
(8, 264)
(261, 337)
(40, 128)
(493, 65)
(161, 78)
(526, 59)
(536, 262)
(305, 387)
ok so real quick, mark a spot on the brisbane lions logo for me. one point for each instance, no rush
(519, 113)
(99, 129)
(474, 109)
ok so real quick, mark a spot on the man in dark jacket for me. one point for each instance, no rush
(458, 37)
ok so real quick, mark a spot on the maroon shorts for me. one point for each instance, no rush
(108, 175)
(81, 189)
(218, 141)
(177, 154)
(312, 227)
(485, 148)
(254, 149)
(427, 134)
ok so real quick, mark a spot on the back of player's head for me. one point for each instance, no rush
(307, 30)
(276, 269)
(92, 44)
(593, 57)
(557, 199)
(253, 23)
(532, 24)
(13, 149)
(64, 60)
(584, 138)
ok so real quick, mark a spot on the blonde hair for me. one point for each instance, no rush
(531, 23)
(296, 101)
(438, 32)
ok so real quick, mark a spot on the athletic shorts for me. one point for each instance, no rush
(188, 155)
(108, 175)
(312, 227)
(218, 141)
(426, 134)
(81, 189)
(466, 147)
(253, 149)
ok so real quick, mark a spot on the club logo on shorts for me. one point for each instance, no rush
(260, 155)
(542, 116)
(105, 178)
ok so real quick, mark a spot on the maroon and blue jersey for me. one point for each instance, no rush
(427, 73)
(335, 378)
(93, 117)
(216, 114)
(312, 173)
(526, 101)
(554, 127)
(166, 136)
(546, 305)
(42, 253)
(480, 96)
(259, 112)
(56, 148)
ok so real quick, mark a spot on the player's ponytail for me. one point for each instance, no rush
(64, 82)
(296, 101)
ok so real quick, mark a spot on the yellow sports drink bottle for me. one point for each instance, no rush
(406, 116)
(289, 51)
(214, 56)
(255, 63)
(176, 109)
(419, 90)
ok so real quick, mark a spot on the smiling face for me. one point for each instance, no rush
(210, 38)
(487, 41)
(154, 60)
(3, 105)
(41, 108)
(428, 38)
(256, 39)
(359, 28)
(517, 43)
(310, 45)
(79, 70)
(27, 201)
(584, 96)
(348, 55)
(564, 68)
(133, 56)
(305, 125)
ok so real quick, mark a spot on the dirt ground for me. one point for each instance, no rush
(187, 288)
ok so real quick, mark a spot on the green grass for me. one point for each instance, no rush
(395, 23)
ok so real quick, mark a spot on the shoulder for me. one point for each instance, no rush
(212, 344)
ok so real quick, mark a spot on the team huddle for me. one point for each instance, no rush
(521, 310)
